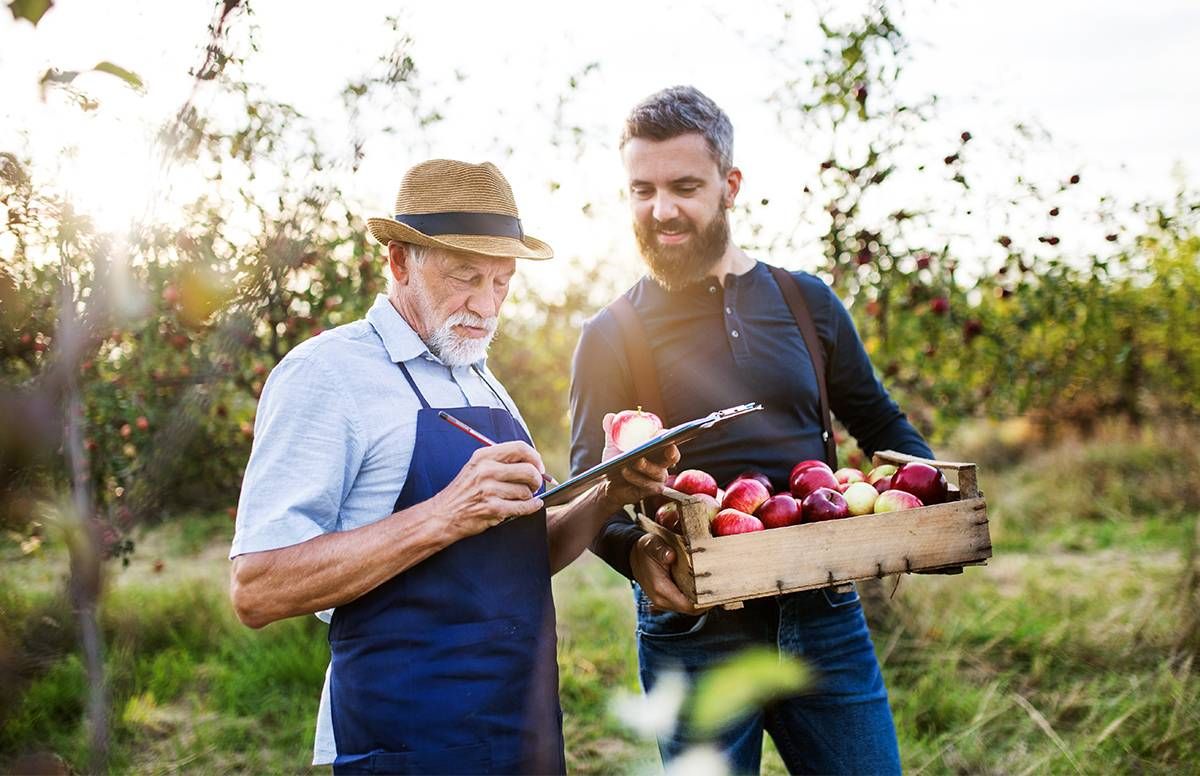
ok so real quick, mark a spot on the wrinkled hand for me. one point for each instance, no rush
(497, 483)
(634, 482)
(651, 560)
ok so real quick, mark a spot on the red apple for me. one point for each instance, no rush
(142, 423)
(880, 471)
(807, 465)
(923, 481)
(668, 517)
(809, 480)
(632, 428)
(824, 504)
(751, 474)
(745, 495)
(895, 500)
(860, 498)
(734, 521)
(694, 481)
(779, 511)
(710, 506)
(848, 475)
(883, 483)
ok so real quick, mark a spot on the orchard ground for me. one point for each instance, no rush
(1071, 651)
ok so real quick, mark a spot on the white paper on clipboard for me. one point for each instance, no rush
(676, 435)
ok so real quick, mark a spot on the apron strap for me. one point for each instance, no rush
(492, 388)
(408, 376)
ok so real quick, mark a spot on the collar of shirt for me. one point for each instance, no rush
(399, 339)
(705, 292)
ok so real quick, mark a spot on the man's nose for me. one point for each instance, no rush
(664, 207)
(484, 303)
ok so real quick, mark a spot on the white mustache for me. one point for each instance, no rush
(468, 318)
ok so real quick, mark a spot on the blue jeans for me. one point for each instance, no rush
(842, 724)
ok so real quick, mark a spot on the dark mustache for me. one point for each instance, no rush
(674, 225)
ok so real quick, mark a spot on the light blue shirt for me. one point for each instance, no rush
(334, 436)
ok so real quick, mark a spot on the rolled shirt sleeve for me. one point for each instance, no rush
(307, 449)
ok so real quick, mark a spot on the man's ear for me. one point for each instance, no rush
(733, 184)
(399, 261)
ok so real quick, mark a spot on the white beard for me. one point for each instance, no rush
(452, 349)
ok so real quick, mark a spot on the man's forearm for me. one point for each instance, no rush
(332, 569)
(571, 528)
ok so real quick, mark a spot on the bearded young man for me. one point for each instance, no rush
(442, 627)
(719, 332)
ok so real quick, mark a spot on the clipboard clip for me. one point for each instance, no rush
(731, 412)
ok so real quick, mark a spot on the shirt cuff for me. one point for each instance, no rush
(615, 542)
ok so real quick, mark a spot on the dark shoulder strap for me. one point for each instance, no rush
(637, 350)
(795, 301)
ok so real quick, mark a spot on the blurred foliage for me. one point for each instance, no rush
(744, 684)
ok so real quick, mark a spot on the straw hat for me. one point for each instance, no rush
(463, 207)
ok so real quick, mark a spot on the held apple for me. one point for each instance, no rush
(632, 428)
(808, 480)
(896, 500)
(733, 521)
(779, 511)
(751, 474)
(923, 481)
(745, 495)
(694, 481)
(860, 498)
(807, 465)
(824, 504)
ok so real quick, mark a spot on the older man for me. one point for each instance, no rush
(434, 552)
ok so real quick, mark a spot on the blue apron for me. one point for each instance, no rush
(450, 666)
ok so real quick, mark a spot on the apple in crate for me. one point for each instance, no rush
(848, 475)
(803, 465)
(808, 480)
(824, 504)
(923, 481)
(881, 471)
(632, 428)
(668, 517)
(896, 500)
(745, 496)
(779, 511)
(694, 482)
(734, 521)
(860, 498)
(756, 475)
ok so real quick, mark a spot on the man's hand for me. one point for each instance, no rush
(651, 560)
(497, 483)
(642, 479)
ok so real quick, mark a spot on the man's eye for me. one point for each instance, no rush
(641, 191)
(690, 189)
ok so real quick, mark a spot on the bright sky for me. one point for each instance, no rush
(1114, 82)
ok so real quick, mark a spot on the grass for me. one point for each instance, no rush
(1061, 656)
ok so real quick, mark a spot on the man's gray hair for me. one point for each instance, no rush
(677, 111)
(417, 253)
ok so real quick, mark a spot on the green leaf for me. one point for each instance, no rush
(128, 76)
(31, 10)
(743, 684)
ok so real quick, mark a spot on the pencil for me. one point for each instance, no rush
(463, 427)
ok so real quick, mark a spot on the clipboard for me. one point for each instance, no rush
(676, 435)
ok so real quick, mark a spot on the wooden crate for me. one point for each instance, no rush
(726, 570)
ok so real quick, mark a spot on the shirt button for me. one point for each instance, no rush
(729, 311)
(734, 333)
(712, 289)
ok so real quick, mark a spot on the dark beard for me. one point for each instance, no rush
(677, 266)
